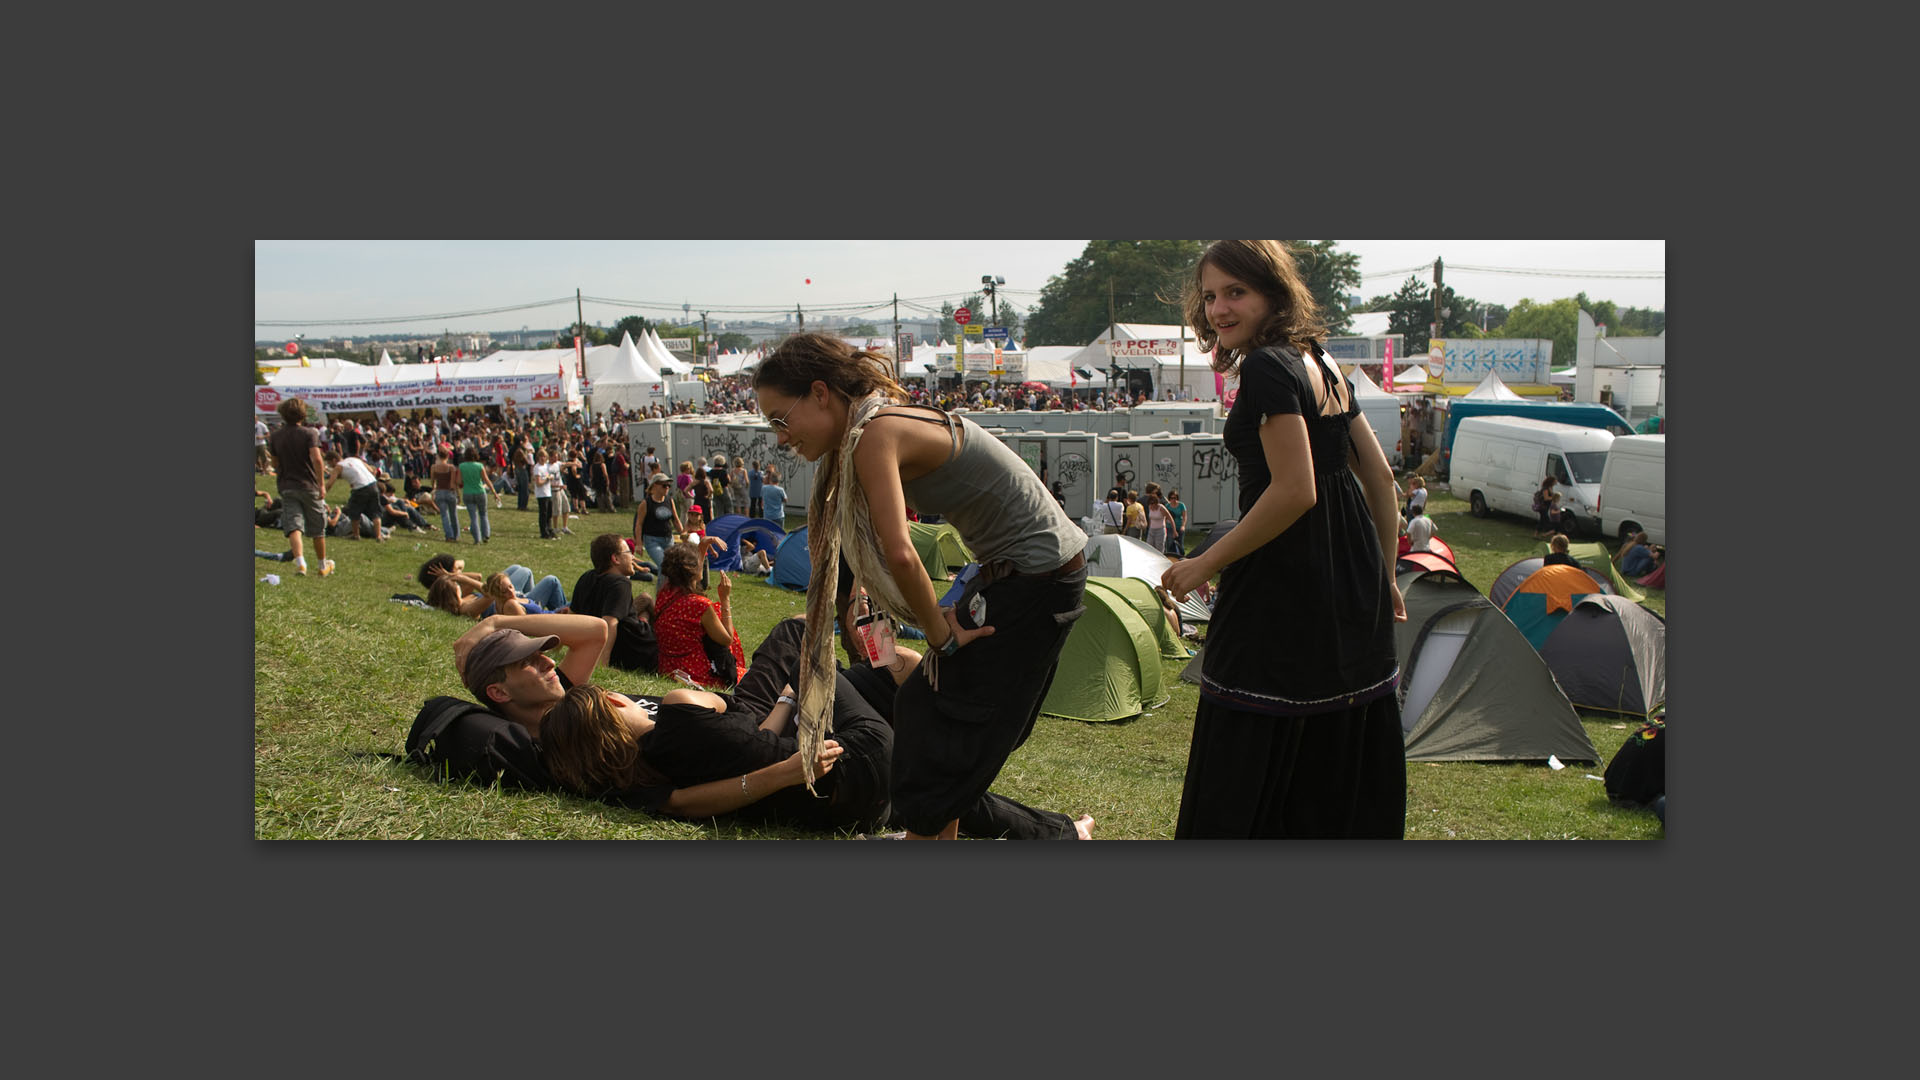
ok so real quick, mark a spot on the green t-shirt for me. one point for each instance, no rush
(471, 475)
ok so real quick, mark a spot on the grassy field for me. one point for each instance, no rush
(340, 670)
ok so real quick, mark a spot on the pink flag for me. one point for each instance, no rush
(1388, 369)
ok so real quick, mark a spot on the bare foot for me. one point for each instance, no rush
(1084, 826)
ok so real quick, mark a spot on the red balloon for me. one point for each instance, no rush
(809, 281)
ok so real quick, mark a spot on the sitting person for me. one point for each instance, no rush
(697, 638)
(395, 512)
(1420, 531)
(1636, 556)
(340, 525)
(1558, 555)
(604, 744)
(606, 591)
(753, 558)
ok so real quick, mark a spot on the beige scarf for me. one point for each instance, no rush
(838, 514)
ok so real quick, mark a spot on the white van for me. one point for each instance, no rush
(1633, 488)
(1383, 416)
(1499, 461)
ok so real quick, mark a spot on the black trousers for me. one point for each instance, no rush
(951, 740)
(546, 516)
(863, 711)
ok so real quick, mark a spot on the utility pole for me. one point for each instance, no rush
(1435, 332)
(707, 336)
(898, 360)
(802, 316)
(1113, 329)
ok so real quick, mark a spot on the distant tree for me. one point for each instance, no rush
(1332, 275)
(1411, 313)
(860, 330)
(635, 325)
(1558, 321)
(1145, 278)
(730, 342)
(1641, 322)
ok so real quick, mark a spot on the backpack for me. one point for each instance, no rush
(1637, 775)
(461, 740)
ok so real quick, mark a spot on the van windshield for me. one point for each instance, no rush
(1587, 465)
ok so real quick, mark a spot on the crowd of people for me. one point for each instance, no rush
(1297, 732)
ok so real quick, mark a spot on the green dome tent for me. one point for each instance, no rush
(1110, 666)
(940, 548)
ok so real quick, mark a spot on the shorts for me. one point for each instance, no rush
(302, 511)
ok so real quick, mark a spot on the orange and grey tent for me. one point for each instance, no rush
(1537, 596)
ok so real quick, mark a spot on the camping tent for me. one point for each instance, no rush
(1110, 666)
(1610, 653)
(1471, 688)
(792, 566)
(1536, 596)
(940, 547)
(1113, 555)
(1146, 604)
(732, 528)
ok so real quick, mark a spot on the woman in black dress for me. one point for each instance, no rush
(1298, 728)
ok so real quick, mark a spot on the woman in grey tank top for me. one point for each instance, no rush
(991, 657)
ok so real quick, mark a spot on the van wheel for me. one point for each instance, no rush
(1627, 529)
(1478, 504)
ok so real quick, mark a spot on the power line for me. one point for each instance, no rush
(408, 318)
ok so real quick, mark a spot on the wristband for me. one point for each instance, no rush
(951, 645)
(785, 699)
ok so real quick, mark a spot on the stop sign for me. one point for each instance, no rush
(962, 316)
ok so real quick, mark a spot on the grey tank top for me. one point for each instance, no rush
(993, 497)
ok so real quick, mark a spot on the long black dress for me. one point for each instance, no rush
(1298, 729)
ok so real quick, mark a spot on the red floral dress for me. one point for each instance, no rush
(677, 615)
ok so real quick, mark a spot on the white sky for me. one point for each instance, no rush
(368, 279)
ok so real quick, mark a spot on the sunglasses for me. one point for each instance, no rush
(779, 423)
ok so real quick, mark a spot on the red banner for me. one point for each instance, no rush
(1387, 371)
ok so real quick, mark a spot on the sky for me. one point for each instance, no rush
(329, 282)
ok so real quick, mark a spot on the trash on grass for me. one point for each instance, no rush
(271, 579)
(1554, 763)
(1602, 779)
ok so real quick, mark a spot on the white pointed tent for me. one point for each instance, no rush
(625, 380)
(1491, 389)
(660, 358)
(1411, 379)
(1192, 368)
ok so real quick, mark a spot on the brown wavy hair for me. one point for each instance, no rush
(852, 373)
(588, 747)
(1268, 267)
(680, 567)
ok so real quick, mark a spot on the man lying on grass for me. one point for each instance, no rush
(504, 663)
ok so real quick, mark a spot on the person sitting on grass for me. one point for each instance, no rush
(697, 637)
(1638, 556)
(1558, 556)
(606, 591)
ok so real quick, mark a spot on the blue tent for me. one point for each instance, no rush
(792, 567)
(732, 528)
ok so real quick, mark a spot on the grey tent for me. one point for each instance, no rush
(1471, 687)
(1610, 653)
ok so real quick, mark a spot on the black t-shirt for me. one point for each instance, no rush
(656, 518)
(635, 648)
(1559, 558)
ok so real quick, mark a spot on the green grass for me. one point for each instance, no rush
(340, 670)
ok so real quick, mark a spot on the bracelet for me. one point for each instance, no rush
(785, 699)
(743, 783)
(951, 645)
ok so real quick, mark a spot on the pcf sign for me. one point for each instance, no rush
(960, 315)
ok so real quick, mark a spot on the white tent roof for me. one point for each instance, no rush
(1491, 388)
(625, 366)
(1363, 385)
(1413, 375)
(660, 358)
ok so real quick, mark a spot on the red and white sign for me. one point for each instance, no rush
(292, 347)
(1144, 347)
(962, 316)
(266, 398)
